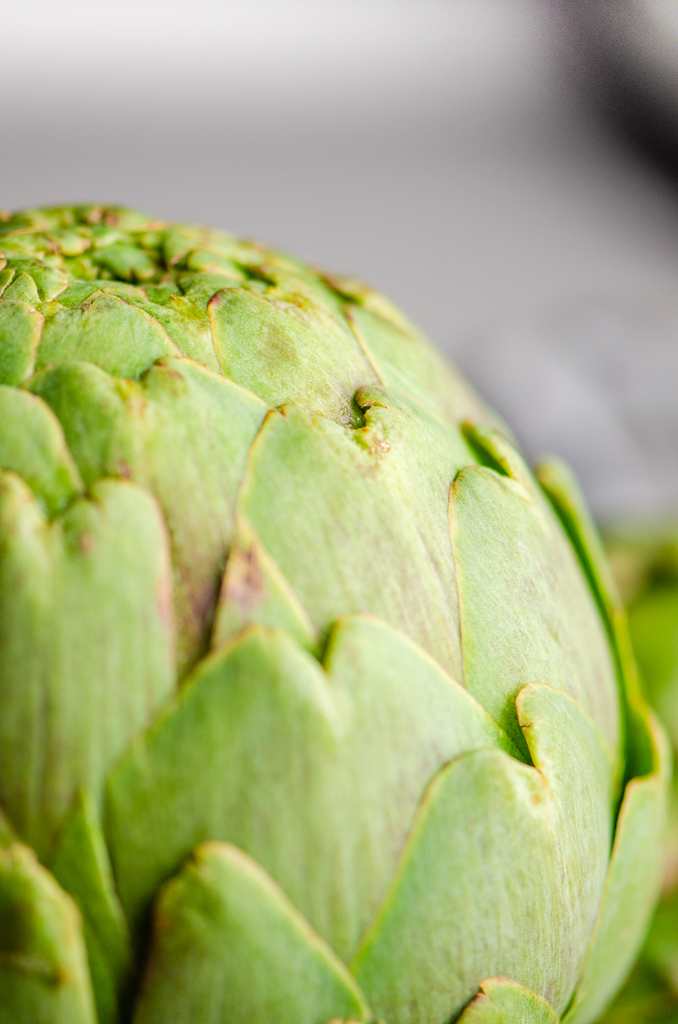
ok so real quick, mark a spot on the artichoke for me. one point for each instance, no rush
(315, 705)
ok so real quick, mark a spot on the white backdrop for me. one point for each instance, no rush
(433, 147)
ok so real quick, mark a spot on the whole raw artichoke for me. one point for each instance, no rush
(311, 706)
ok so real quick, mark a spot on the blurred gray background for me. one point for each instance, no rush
(445, 150)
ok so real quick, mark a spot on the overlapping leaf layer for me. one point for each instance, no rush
(314, 704)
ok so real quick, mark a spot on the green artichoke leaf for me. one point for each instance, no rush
(186, 325)
(48, 282)
(501, 1001)
(229, 946)
(289, 350)
(287, 280)
(20, 330)
(81, 866)
(404, 361)
(316, 774)
(91, 408)
(538, 622)
(502, 875)
(385, 487)
(107, 331)
(200, 288)
(562, 490)
(354, 292)
(78, 292)
(43, 962)
(70, 241)
(632, 884)
(214, 259)
(32, 444)
(21, 249)
(23, 288)
(6, 275)
(125, 261)
(181, 432)
(176, 244)
(70, 700)
(254, 590)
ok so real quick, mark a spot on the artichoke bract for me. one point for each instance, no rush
(315, 705)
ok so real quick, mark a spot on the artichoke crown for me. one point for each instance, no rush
(314, 703)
